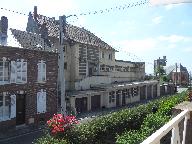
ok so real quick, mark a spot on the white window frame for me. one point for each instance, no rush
(22, 71)
(4, 116)
(3, 81)
(41, 71)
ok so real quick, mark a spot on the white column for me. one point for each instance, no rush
(115, 99)
(88, 102)
(139, 93)
(13, 106)
(72, 102)
(146, 91)
(152, 91)
(185, 127)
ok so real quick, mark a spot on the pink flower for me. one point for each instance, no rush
(59, 123)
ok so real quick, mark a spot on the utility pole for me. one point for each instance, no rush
(62, 24)
(176, 77)
(190, 80)
(176, 74)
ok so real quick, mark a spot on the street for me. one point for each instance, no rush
(27, 138)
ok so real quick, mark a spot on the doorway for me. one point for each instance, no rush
(20, 109)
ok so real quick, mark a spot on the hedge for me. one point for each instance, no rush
(105, 128)
(152, 122)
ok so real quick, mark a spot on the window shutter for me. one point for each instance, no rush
(13, 106)
(39, 72)
(24, 72)
(44, 101)
(19, 72)
(43, 71)
(41, 102)
(13, 72)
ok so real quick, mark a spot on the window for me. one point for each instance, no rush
(18, 71)
(41, 71)
(21, 71)
(110, 56)
(4, 71)
(127, 93)
(5, 102)
(41, 101)
(111, 97)
(102, 55)
(65, 48)
(65, 66)
(13, 71)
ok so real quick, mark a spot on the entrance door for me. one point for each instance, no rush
(117, 98)
(81, 104)
(20, 109)
(95, 102)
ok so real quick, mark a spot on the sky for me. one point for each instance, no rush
(141, 33)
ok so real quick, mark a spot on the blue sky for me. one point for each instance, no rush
(141, 33)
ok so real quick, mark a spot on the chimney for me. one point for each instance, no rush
(4, 25)
(3, 30)
(35, 12)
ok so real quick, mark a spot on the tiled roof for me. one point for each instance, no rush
(75, 33)
(30, 40)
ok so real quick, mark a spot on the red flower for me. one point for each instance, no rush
(59, 123)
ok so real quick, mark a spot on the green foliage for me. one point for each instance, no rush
(160, 70)
(152, 122)
(117, 122)
(132, 125)
(51, 140)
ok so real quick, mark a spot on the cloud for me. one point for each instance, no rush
(137, 46)
(157, 20)
(175, 38)
(172, 6)
(168, 7)
(167, 2)
(143, 46)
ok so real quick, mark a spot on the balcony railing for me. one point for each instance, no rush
(171, 125)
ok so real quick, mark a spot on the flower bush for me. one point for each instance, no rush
(59, 123)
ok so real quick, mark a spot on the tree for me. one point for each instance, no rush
(160, 71)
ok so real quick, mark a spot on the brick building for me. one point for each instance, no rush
(28, 86)
(178, 74)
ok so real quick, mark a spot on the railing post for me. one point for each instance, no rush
(175, 139)
(185, 127)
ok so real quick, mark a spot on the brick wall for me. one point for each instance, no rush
(32, 86)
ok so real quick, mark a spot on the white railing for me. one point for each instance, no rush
(171, 125)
